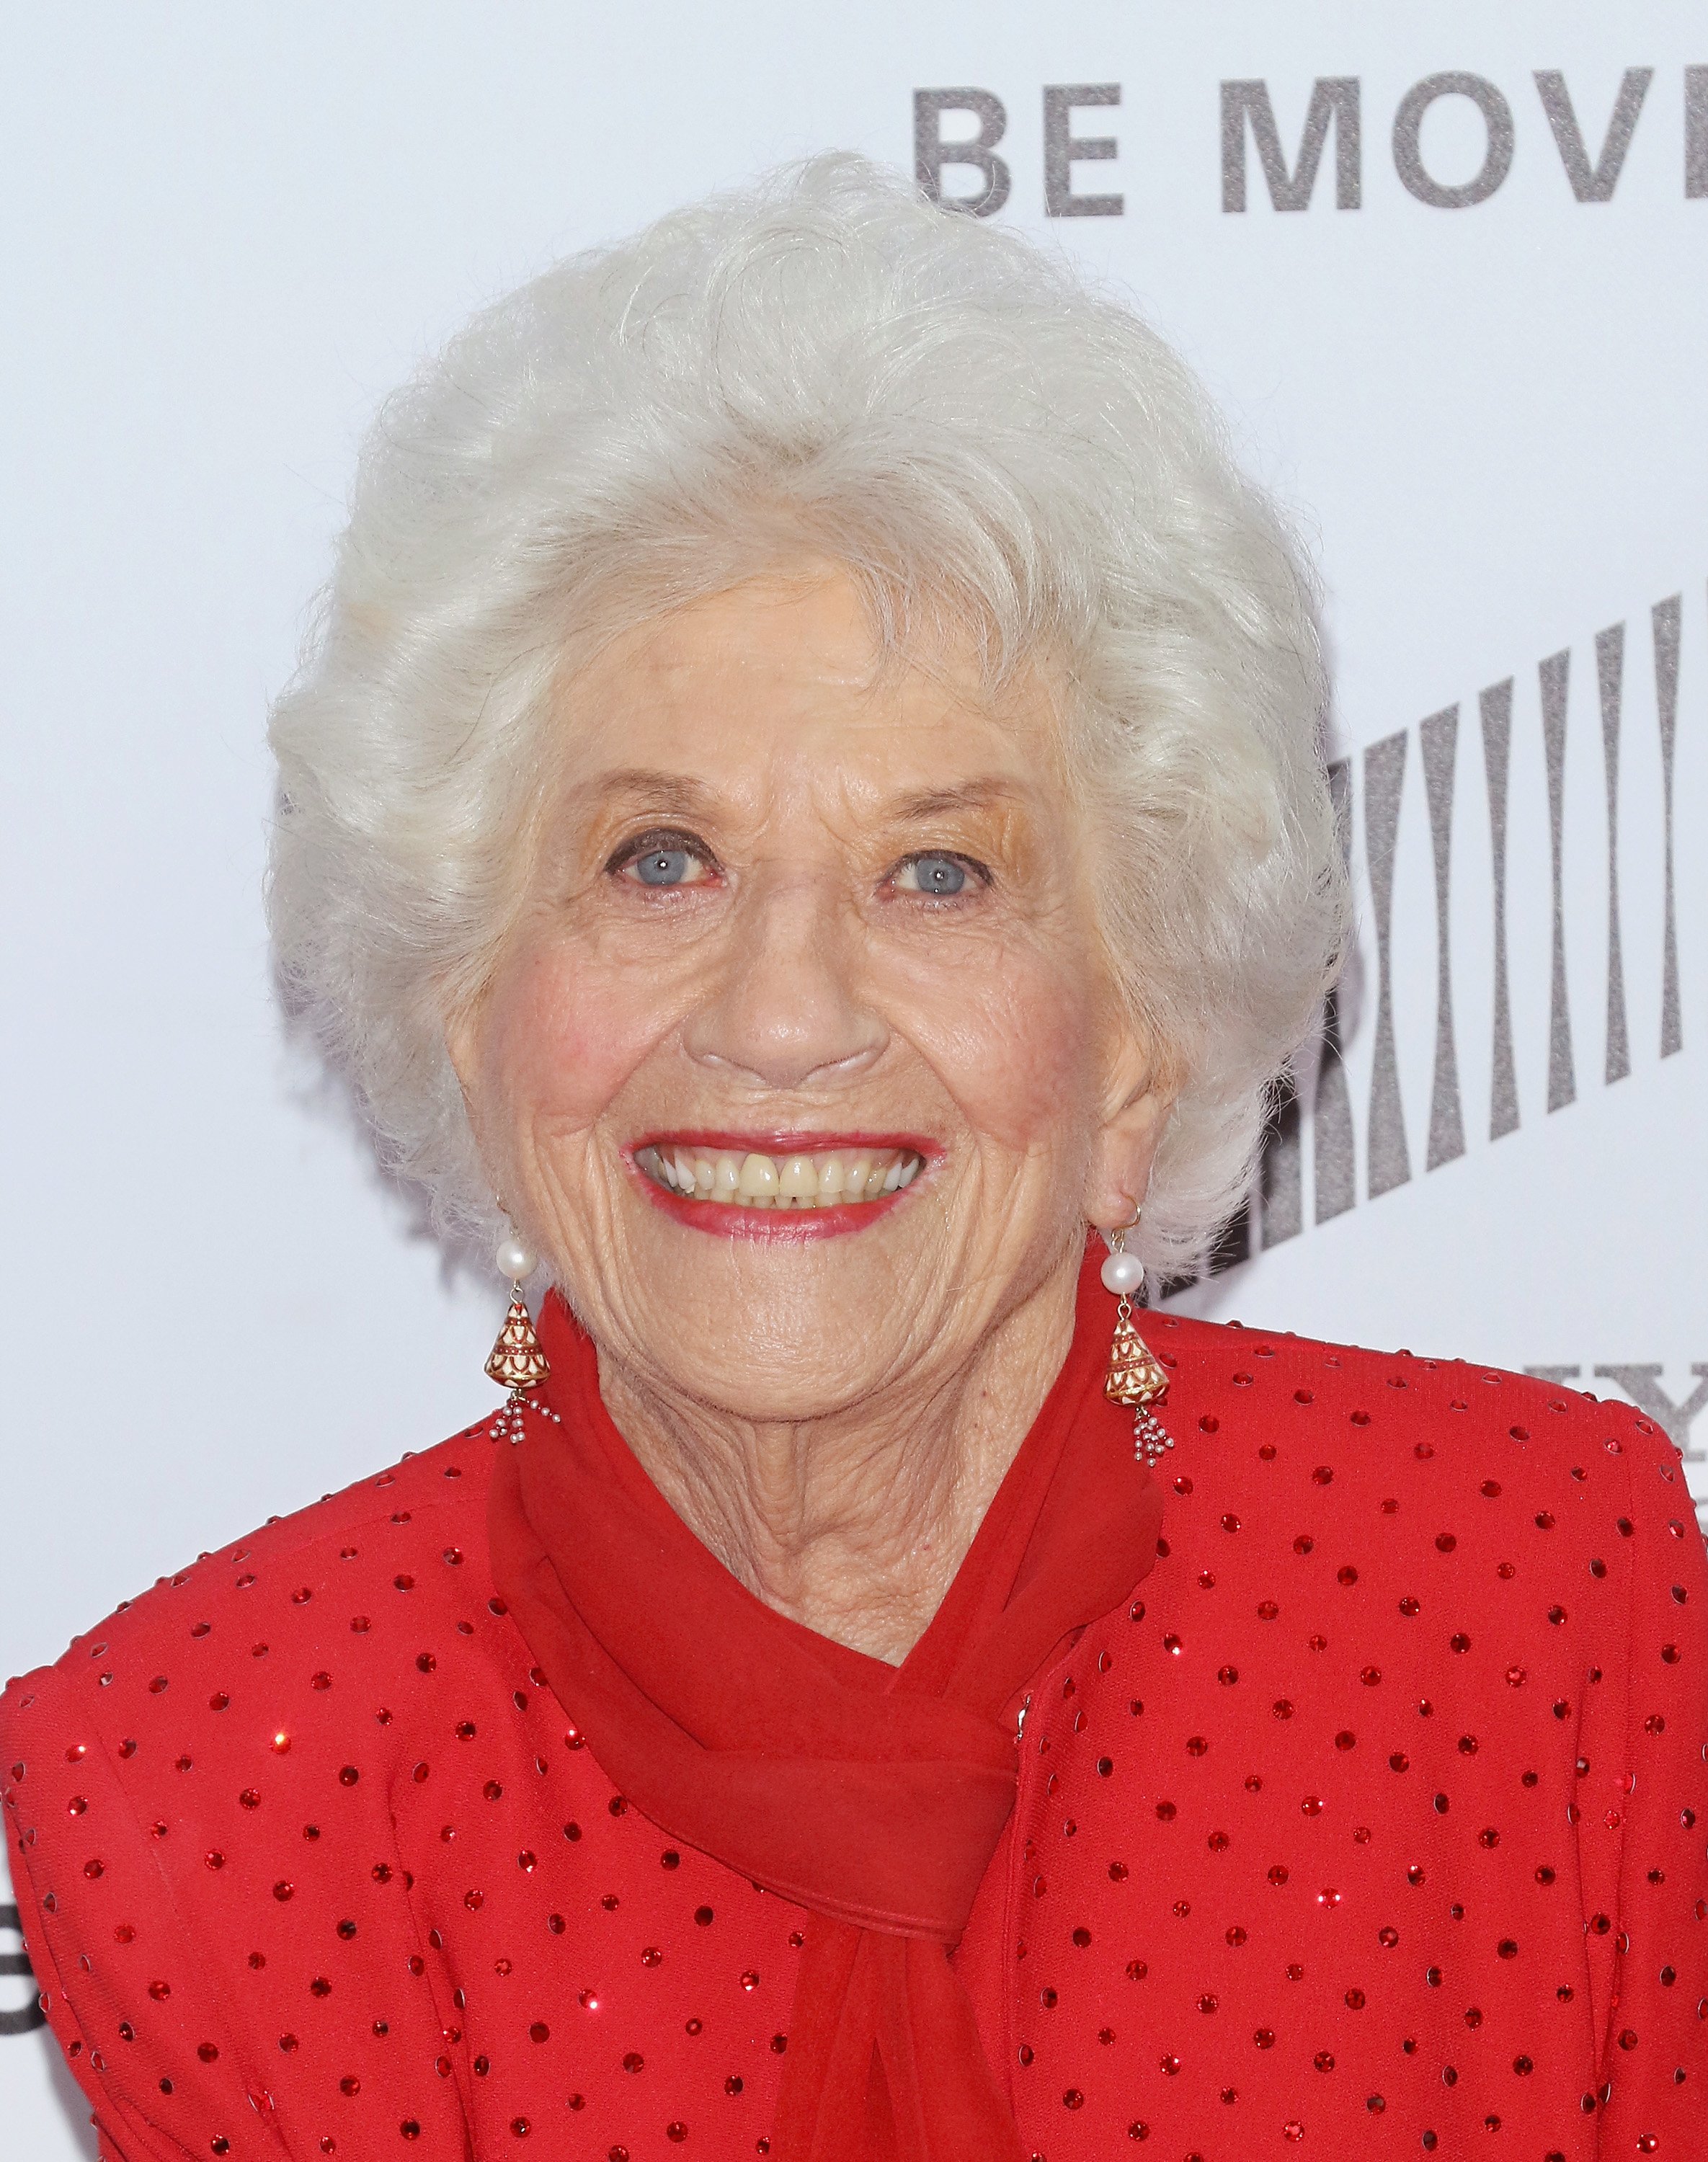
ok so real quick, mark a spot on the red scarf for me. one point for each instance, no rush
(873, 1795)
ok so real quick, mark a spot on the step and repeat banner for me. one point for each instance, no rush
(1445, 269)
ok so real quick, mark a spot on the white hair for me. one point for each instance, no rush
(825, 362)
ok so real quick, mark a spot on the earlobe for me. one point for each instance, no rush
(1118, 1176)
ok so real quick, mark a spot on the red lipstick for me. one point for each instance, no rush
(650, 1161)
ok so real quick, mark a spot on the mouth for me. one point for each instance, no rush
(806, 1183)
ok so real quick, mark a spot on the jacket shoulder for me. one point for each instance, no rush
(1213, 1354)
(166, 1782)
(406, 1521)
(1449, 1420)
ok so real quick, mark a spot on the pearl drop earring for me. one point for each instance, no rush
(516, 1362)
(1135, 1375)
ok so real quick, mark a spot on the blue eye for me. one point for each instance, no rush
(940, 875)
(662, 866)
(664, 859)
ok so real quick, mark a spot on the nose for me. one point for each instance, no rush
(782, 1007)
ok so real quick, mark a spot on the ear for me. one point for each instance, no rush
(462, 1037)
(1136, 1103)
(461, 1048)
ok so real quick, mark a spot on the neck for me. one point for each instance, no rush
(855, 1523)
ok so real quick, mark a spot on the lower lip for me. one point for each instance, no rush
(725, 1220)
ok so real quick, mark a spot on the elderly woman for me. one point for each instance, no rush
(808, 787)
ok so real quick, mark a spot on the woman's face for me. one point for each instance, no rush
(801, 1062)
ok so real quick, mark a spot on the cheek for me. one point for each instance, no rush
(1016, 1046)
(562, 1035)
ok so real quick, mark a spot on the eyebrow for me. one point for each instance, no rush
(652, 787)
(660, 791)
(970, 796)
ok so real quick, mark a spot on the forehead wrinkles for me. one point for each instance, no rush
(776, 697)
(816, 623)
(922, 760)
(807, 628)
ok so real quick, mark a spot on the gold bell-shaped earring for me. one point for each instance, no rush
(1135, 1375)
(516, 1362)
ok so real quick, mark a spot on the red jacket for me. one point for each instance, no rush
(1373, 1827)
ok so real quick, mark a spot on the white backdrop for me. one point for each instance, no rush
(228, 231)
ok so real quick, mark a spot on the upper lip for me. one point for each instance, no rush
(775, 1143)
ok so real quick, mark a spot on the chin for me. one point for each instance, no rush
(779, 1368)
(768, 1329)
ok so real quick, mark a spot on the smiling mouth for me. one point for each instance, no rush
(824, 1179)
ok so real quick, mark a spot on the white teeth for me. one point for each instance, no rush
(798, 1180)
(831, 1179)
(758, 1176)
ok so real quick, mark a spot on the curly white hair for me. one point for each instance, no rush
(823, 363)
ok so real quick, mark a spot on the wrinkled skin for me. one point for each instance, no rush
(831, 1415)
